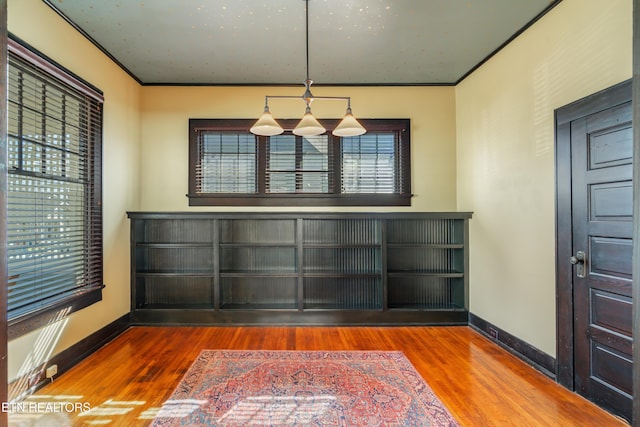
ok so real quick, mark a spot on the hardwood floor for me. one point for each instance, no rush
(126, 381)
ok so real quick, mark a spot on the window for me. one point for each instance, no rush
(297, 165)
(230, 166)
(54, 217)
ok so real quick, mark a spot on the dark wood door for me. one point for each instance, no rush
(602, 215)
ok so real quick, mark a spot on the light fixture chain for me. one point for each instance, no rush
(308, 126)
(306, 10)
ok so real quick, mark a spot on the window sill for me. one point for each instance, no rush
(297, 200)
(27, 322)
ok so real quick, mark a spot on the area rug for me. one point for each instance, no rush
(302, 388)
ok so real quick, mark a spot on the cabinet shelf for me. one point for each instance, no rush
(422, 307)
(299, 268)
(437, 273)
(340, 245)
(173, 306)
(334, 274)
(228, 273)
(258, 245)
(163, 245)
(258, 307)
(175, 273)
(332, 307)
(425, 246)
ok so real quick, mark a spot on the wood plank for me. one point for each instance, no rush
(481, 383)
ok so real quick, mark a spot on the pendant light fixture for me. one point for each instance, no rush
(309, 125)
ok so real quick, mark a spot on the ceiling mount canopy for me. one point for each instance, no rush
(309, 125)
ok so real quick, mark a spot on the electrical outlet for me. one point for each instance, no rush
(51, 371)
(493, 333)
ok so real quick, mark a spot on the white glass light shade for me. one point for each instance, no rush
(266, 125)
(349, 126)
(309, 126)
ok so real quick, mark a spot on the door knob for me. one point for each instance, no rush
(578, 260)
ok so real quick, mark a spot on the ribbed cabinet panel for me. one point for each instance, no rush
(166, 291)
(342, 231)
(258, 231)
(271, 292)
(177, 231)
(426, 264)
(425, 231)
(257, 259)
(258, 264)
(424, 260)
(342, 260)
(175, 260)
(352, 293)
(342, 264)
(430, 292)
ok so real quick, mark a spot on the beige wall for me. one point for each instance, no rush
(505, 149)
(38, 25)
(166, 112)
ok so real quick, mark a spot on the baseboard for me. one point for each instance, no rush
(66, 359)
(261, 317)
(514, 345)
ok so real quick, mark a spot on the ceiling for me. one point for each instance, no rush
(262, 42)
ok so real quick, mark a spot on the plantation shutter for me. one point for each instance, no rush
(54, 218)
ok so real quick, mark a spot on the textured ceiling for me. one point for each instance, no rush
(351, 42)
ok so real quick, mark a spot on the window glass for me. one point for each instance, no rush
(228, 163)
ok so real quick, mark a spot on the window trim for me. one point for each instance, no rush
(261, 198)
(72, 301)
(49, 66)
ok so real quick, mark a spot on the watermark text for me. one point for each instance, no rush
(44, 407)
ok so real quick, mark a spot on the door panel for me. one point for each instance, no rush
(611, 201)
(611, 147)
(611, 257)
(602, 214)
(611, 311)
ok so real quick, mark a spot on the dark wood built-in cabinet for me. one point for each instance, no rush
(299, 268)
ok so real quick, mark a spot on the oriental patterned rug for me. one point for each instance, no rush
(302, 388)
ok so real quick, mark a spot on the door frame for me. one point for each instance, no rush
(607, 98)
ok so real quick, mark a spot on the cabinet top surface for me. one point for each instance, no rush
(295, 215)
